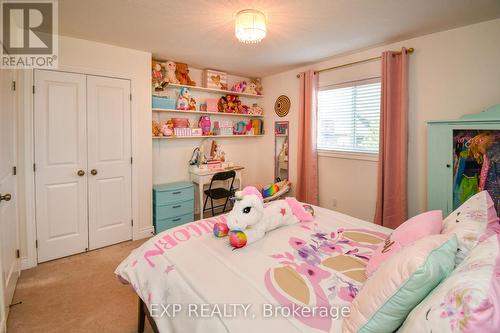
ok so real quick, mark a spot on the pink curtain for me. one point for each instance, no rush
(307, 173)
(391, 208)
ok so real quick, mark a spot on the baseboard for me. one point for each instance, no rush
(27, 263)
(144, 233)
(3, 325)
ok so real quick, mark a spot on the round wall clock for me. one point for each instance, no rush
(282, 105)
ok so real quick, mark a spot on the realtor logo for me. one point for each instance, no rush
(29, 34)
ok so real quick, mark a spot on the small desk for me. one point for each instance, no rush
(201, 177)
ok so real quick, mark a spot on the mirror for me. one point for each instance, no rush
(281, 149)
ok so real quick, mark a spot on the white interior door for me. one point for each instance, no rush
(9, 262)
(109, 161)
(61, 163)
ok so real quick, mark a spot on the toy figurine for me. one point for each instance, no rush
(183, 99)
(170, 72)
(205, 124)
(157, 76)
(239, 87)
(192, 104)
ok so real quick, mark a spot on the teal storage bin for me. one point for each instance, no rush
(173, 205)
(161, 102)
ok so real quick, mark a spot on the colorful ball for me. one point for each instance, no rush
(237, 238)
(309, 209)
(220, 229)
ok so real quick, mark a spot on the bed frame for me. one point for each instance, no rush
(143, 313)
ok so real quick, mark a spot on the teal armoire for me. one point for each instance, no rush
(463, 158)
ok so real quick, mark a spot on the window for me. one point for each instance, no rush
(349, 117)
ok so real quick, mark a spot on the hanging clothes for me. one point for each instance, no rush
(492, 184)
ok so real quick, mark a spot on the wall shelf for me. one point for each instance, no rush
(204, 136)
(212, 90)
(195, 112)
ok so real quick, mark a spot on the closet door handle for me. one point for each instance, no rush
(5, 197)
(81, 173)
(93, 172)
(448, 165)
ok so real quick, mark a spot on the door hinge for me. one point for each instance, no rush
(14, 170)
(34, 167)
(132, 222)
(18, 254)
(13, 85)
(33, 89)
(131, 160)
(36, 243)
(130, 96)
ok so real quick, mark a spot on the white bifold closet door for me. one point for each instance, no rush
(82, 162)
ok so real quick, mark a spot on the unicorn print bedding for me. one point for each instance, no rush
(298, 278)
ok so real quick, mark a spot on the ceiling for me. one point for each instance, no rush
(201, 32)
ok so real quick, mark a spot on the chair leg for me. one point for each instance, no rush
(142, 317)
(225, 203)
(212, 205)
(205, 204)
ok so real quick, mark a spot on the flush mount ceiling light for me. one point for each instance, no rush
(250, 26)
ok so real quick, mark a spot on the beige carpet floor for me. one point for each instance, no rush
(76, 294)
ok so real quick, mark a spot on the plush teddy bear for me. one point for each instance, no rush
(182, 74)
(250, 219)
(250, 88)
(166, 128)
(258, 85)
(170, 72)
(156, 131)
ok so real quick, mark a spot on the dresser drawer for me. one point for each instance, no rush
(164, 224)
(167, 197)
(173, 210)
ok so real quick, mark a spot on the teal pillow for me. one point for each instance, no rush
(400, 283)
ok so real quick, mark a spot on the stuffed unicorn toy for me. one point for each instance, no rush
(250, 219)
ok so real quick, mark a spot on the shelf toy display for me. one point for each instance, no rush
(182, 74)
(155, 128)
(170, 68)
(162, 128)
(229, 104)
(214, 79)
(192, 104)
(250, 219)
(157, 75)
(243, 109)
(205, 124)
(184, 99)
(240, 128)
(258, 85)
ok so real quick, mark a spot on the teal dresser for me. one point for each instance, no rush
(173, 205)
(454, 172)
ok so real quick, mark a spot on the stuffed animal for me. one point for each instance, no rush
(182, 74)
(250, 219)
(239, 87)
(166, 128)
(170, 72)
(183, 99)
(229, 104)
(156, 128)
(192, 104)
(258, 85)
(251, 88)
(157, 76)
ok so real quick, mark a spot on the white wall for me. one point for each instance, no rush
(82, 56)
(452, 73)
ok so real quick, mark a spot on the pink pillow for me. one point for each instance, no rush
(425, 224)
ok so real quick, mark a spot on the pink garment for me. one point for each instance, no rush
(484, 172)
(420, 226)
(391, 209)
(307, 159)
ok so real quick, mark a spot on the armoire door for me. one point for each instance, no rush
(60, 135)
(109, 161)
(9, 262)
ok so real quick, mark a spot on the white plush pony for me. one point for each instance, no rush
(250, 219)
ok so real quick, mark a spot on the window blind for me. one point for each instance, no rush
(349, 117)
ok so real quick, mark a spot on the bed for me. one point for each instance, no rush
(299, 278)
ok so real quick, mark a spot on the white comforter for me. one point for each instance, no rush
(300, 278)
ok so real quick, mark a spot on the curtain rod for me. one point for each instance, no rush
(409, 51)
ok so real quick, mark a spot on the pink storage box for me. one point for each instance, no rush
(180, 122)
(212, 104)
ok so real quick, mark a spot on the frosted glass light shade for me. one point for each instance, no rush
(250, 26)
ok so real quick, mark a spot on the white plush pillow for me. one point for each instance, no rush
(468, 300)
(400, 283)
(472, 222)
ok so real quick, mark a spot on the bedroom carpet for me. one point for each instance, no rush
(76, 294)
